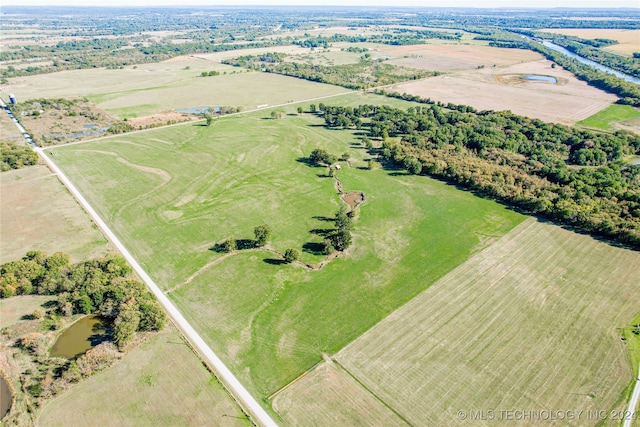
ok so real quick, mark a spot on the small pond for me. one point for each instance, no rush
(80, 337)
(5, 397)
(539, 78)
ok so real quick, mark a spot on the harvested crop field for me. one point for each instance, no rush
(530, 323)
(567, 101)
(454, 57)
(38, 213)
(629, 40)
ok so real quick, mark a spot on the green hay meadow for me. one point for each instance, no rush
(171, 194)
(613, 114)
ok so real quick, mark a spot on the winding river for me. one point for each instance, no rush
(586, 61)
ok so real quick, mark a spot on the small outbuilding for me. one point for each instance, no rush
(12, 99)
(338, 167)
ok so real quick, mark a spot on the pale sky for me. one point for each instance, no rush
(606, 4)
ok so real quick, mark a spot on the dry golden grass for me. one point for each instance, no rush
(567, 102)
(454, 57)
(629, 40)
(159, 383)
(328, 396)
(38, 213)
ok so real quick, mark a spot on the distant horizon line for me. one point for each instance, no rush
(314, 6)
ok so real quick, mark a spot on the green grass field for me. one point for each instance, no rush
(171, 194)
(613, 114)
(160, 383)
(13, 309)
(534, 322)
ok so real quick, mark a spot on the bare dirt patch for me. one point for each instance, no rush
(38, 213)
(353, 199)
(567, 102)
(449, 57)
(161, 119)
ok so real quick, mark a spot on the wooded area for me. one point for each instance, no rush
(573, 176)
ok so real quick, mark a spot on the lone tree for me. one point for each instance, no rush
(299, 110)
(209, 119)
(291, 255)
(262, 233)
(229, 245)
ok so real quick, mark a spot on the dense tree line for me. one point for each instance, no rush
(574, 176)
(367, 73)
(105, 286)
(16, 156)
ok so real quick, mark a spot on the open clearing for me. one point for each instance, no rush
(171, 194)
(13, 309)
(153, 88)
(38, 213)
(567, 102)
(615, 116)
(629, 40)
(533, 322)
(159, 383)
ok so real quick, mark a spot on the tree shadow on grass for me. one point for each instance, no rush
(246, 244)
(324, 232)
(274, 261)
(324, 218)
(315, 248)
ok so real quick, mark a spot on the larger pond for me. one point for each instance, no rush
(600, 67)
(5, 397)
(82, 336)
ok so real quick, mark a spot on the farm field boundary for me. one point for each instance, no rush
(460, 345)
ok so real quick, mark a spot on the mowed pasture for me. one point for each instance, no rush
(153, 88)
(12, 310)
(533, 322)
(504, 88)
(171, 194)
(628, 40)
(159, 383)
(38, 213)
(615, 117)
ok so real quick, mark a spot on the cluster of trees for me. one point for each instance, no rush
(571, 175)
(105, 286)
(16, 156)
(340, 238)
(210, 73)
(262, 233)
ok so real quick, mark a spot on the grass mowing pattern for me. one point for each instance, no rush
(171, 194)
(612, 114)
(533, 322)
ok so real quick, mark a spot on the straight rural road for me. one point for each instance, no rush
(259, 415)
(633, 403)
(256, 412)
